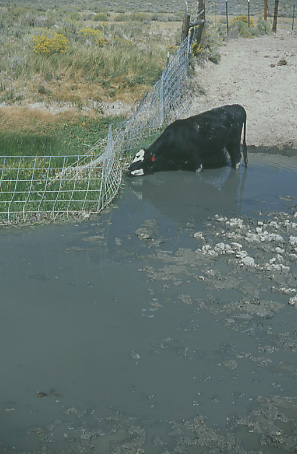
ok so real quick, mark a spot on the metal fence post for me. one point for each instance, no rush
(227, 16)
(106, 158)
(249, 22)
(162, 100)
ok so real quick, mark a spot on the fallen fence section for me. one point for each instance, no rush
(40, 189)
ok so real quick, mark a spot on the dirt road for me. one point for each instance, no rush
(260, 74)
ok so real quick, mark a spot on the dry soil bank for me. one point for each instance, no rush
(260, 74)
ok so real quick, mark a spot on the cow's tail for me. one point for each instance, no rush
(244, 147)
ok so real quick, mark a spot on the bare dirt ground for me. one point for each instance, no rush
(261, 75)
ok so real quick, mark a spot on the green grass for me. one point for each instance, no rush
(32, 186)
(57, 139)
(33, 183)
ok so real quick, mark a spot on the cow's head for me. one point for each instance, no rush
(142, 164)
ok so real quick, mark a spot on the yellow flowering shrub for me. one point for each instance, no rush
(198, 50)
(95, 36)
(171, 49)
(48, 45)
(244, 19)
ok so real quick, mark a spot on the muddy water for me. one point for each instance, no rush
(168, 324)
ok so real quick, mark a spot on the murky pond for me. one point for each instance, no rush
(166, 325)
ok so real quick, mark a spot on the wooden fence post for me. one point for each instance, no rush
(186, 23)
(199, 22)
(265, 9)
(274, 25)
(201, 12)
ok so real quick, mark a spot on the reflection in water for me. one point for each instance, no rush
(180, 194)
(97, 322)
(223, 191)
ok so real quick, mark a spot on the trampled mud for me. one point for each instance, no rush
(166, 325)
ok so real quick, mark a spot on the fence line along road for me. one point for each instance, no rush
(218, 10)
(40, 189)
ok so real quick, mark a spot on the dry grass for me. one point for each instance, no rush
(24, 119)
(123, 67)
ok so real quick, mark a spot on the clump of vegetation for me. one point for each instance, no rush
(93, 36)
(209, 50)
(263, 26)
(100, 17)
(243, 19)
(242, 26)
(48, 45)
(246, 28)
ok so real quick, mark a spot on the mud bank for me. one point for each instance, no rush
(284, 151)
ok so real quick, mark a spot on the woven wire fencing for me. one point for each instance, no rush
(40, 189)
(158, 107)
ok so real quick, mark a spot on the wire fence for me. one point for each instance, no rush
(36, 189)
(222, 11)
(40, 189)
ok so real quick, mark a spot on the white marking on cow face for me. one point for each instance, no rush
(139, 157)
(137, 173)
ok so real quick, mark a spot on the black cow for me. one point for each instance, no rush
(196, 142)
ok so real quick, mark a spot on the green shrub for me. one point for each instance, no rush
(263, 26)
(43, 91)
(198, 50)
(142, 17)
(121, 17)
(70, 28)
(244, 19)
(210, 50)
(100, 17)
(241, 26)
(93, 36)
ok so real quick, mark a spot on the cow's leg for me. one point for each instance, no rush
(233, 148)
